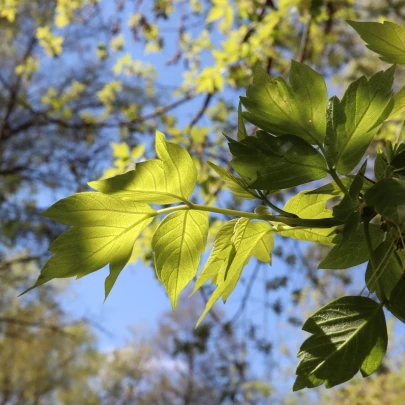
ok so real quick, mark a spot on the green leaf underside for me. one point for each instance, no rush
(396, 303)
(349, 334)
(271, 163)
(399, 104)
(177, 245)
(389, 271)
(245, 239)
(242, 133)
(386, 39)
(332, 188)
(388, 198)
(238, 186)
(282, 109)
(309, 206)
(352, 249)
(365, 105)
(168, 180)
(350, 201)
(104, 231)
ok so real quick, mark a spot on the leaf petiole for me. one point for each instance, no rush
(274, 207)
(308, 223)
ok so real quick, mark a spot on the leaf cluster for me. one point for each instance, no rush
(299, 137)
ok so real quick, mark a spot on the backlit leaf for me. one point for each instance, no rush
(177, 245)
(168, 180)
(238, 186)
(282, 109)
(386, 39)
(245, 238)
(309, 206)
(104, 232)
(365, 105)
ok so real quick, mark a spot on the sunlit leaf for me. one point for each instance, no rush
(282, 109)
(177, 245)
(238, 186)
(365, 105)
(309, 206)
(246, 236)
(386, 39)
(104, 232)
(168, 180)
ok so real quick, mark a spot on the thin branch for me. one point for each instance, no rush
(201, 111)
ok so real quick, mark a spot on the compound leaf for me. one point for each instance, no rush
(177, 244)
(168, 180)
(349, 334)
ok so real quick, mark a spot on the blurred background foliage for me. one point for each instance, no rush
(83, 86)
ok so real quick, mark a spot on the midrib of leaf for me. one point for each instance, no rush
(178, 197)
(387, 42)
(178, 175)
(345, 342)
(291, 118)
(183, 240)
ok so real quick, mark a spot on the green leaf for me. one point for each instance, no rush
(386, 39)
(309, 206)
(349, 334)
(352, 248)
(280, 109)
(396, 303)
(389, 270)
(350, 201)
(245, 238)
(168, 180)
(219, 254)
(239, 187)
(365, 105)
(399, 104)
(334, 117)
(388, 199)
(177, 245)
(104, 232)
(380, 165)
(332, 188)
(242, 133)
(271, 163)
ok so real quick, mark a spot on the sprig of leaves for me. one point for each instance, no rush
(300, 138)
